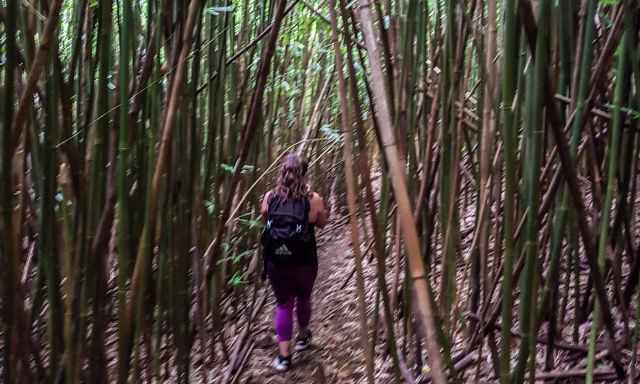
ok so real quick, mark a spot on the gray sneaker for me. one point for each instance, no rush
(281, 364)
(303, 341)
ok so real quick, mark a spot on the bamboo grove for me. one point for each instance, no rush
(483, 154)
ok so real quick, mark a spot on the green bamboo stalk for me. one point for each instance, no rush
(212, 253)
(535, 122)
(123, 214)
(561, 215)
(154, 113)
(11, 302)
(632, 279)
(487, 140)
(449, 144)
(140, 273)
(612, 164)
(124, 227)
(48, 247)
(95, 281)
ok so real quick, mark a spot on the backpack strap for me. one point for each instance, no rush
(307, 208)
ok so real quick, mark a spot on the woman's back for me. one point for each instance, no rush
(317, 211)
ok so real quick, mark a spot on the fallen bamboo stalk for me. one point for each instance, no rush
(235, 373)
(539, 340)
(610, 373)
(461, 365)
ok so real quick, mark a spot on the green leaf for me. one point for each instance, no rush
(251, 223)
(236, 280)
(241, 255)
(216, 10)
(247, 168)
(609, 2)
(297, 48)
(328, 131)
(227, 167)
(386, 21)
(294, 92)
(231, 169)
(210, 206)
(634, 114)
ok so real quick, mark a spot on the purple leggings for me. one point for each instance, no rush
(291, 284)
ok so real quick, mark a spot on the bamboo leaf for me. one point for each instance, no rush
(217, 10)
(330, 132)
(210, 207)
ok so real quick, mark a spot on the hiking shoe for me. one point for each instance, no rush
(281, 364)
(303, 341)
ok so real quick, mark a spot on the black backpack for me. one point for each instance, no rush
(287, 238)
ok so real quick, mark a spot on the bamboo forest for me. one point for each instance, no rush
(465, 173)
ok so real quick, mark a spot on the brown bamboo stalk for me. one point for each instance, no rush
(345, 117)
(316, 115)
(39, 62)
(486, 140)
(416, 264)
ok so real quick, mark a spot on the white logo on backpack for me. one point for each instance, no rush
(283, 251)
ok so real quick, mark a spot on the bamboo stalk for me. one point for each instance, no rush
(416, 265)
(41, 58)
(139, 272)
(48, 248)
(11, 298)
(124, 226)
(345, 118)
(576, 197)
(510, 143)
(211, 255)
(618, 118)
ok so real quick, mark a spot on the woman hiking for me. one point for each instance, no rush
(291, 212)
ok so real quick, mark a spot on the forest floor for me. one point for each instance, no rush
(336, 355)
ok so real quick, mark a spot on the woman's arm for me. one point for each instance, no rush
(317, 211)
(264, 207)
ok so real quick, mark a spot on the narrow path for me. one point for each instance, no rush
(335, 356)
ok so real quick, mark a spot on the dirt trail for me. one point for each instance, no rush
(335, 356)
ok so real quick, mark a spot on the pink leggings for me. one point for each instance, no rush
(291, 285)
(284, 317)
